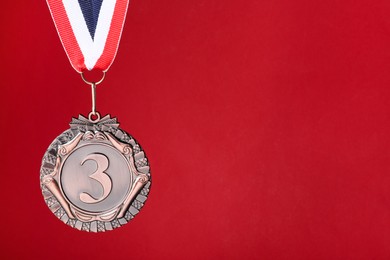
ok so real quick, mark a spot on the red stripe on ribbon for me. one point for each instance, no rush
(114, 36)
(67, 37)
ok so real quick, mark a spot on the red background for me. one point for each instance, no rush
(266, 124)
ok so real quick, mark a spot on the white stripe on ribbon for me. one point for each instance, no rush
(91, 49)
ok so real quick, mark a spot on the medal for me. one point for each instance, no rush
(94, 176)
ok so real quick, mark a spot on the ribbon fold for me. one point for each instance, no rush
(89, 30)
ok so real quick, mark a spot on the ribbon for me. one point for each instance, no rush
(89, 30)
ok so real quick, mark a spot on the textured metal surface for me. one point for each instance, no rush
(94, 176)
(97, 195)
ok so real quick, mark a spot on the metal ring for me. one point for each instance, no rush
(90, 83)
(94, 114)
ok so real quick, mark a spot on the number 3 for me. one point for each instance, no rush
(100, 176)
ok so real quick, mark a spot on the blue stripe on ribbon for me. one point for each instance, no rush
(91, 10)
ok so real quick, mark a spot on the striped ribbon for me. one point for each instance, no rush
(89, 30)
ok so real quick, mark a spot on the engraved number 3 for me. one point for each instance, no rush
(100, 176)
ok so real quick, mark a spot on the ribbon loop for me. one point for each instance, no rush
(89, 30)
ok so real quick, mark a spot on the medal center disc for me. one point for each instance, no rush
(95, 178)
